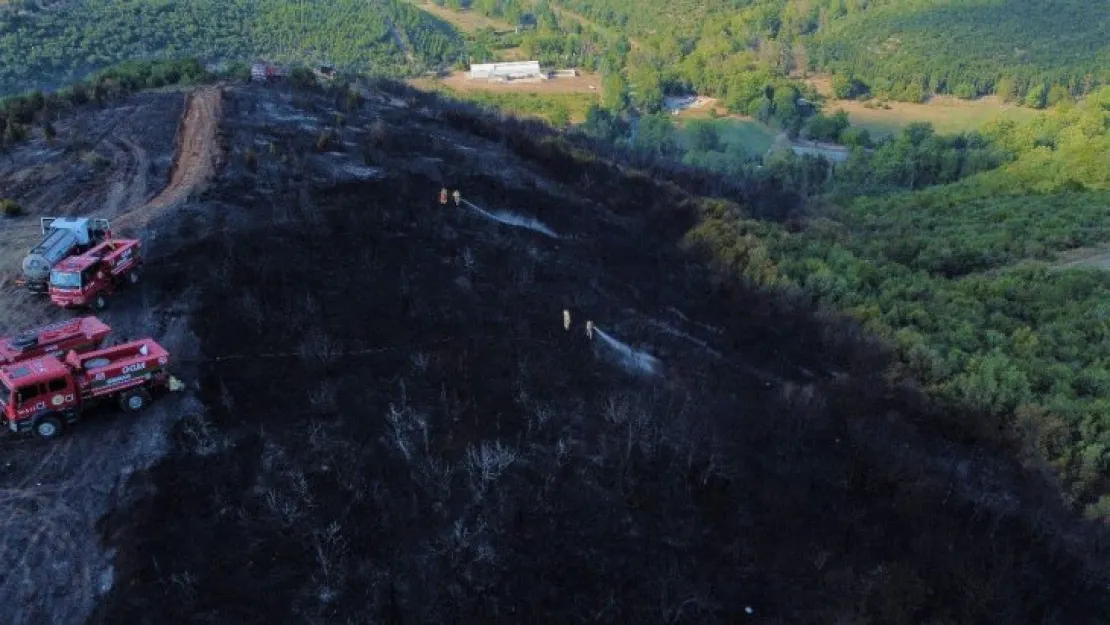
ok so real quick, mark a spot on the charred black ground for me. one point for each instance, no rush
(399, 430)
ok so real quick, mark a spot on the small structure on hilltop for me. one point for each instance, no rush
(504, 72)
(262, 71)
(325, 72)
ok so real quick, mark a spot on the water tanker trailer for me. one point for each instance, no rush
(61, 237)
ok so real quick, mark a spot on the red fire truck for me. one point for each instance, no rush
(86, 280)
(44, 395)
(81, 334)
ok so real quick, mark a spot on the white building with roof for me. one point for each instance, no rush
(515, 70)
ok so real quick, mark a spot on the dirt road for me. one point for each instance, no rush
(196, 160)
(1085, 258)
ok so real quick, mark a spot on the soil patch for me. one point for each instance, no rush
(583, 83)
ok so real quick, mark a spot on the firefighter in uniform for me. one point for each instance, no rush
(589, 329)
(443, 197)
(566, 320)
(458, 197)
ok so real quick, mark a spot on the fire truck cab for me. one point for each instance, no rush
(44, 395)
(88, 279)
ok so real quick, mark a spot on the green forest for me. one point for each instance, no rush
(1031, 52)
(47, 47)
(1036, 54)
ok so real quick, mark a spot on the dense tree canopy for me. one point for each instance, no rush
(898, 49)
(50, 46)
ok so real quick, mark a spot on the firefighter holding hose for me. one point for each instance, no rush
(458, 197)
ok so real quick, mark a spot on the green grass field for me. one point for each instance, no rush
(754, 136)
(947, 115)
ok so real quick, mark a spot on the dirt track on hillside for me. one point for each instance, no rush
(196, 159)
(105, 163)
(1097, 257)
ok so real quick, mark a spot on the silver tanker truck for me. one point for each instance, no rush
(61, 237)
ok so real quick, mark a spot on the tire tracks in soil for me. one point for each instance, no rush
(128, 184)
(196, 158)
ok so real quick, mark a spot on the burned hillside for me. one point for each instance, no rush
(398, 428)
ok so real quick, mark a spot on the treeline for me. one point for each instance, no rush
(1032, 53)
(557, 109)
(914, 159)
(20, 114)
(1035, 53)
(45, 48)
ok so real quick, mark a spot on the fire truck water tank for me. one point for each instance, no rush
(55, 247)
(24, 341)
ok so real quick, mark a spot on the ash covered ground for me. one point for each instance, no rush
(387, 421)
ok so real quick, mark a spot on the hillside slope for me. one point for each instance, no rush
(398, 428)
(968, 46)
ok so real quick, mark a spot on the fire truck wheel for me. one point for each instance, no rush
(48, 427)
(133, 278)
(100, 303)
(133, 401)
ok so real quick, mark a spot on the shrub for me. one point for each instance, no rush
(10, 208)
(379, 134)
(14, 132)
(303, 79)
(92, 159)
(250, 159)
(1100, 510)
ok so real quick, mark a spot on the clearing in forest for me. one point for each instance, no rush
(458, 80)
(947, 114)
(1085, 258)
(470, 22)
(465, 20)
